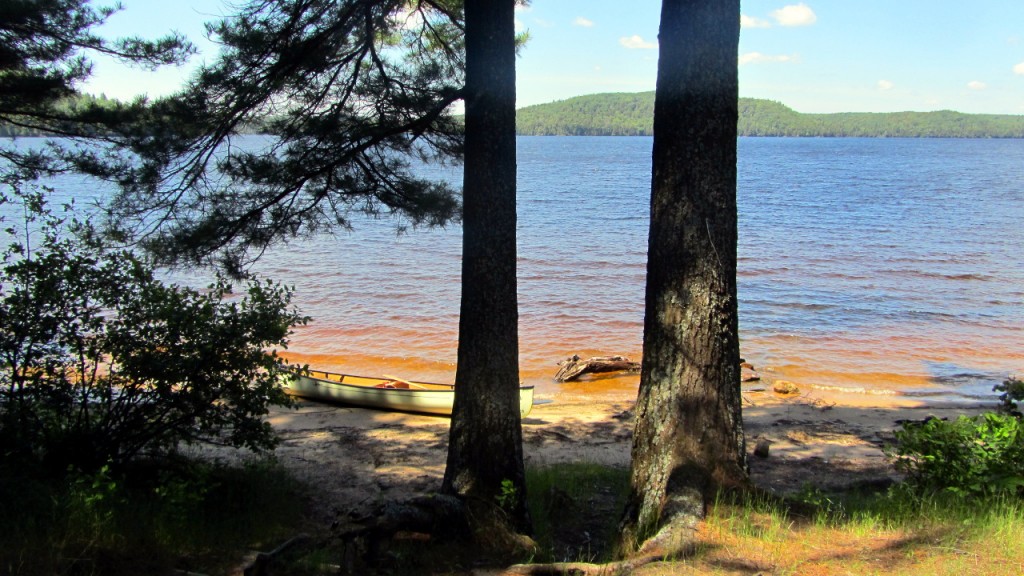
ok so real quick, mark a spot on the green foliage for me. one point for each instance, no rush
(632, 115)
(352, 92)
(101, 363)
(67, 107)
(45, 46)
(593, 115)
(509, 496)
(148, 518)
(979, 456)
(575, 508)
(1012, 393)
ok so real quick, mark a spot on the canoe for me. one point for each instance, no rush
(387, 393)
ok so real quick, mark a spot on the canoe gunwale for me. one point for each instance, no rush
(426, 398)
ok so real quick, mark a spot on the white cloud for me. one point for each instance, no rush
(885, 85)
(584, 22)
(759, 58)
(1019, 69)
(751, 22)
(976, 85)
(795, 15)
(635, 42)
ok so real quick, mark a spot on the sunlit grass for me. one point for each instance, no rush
(890, 534)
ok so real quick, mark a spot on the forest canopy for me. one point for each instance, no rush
(627, 114)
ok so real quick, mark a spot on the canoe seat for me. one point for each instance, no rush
(393, 384)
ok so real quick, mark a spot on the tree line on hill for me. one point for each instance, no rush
(626, 114)
(63, 107)
(629, 114)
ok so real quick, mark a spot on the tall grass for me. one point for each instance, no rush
(576, 507)
(886, 533)
(146, 520)
(575, 510)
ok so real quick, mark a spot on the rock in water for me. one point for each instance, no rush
(785, 387)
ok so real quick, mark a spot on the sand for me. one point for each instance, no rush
(357, 458)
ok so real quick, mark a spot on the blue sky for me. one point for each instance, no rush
(812, 55)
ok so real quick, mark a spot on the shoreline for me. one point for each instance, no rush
(866, 389)
(353, 459)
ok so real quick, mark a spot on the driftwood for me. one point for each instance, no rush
(573, 367)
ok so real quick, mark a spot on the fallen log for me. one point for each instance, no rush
(573, 367)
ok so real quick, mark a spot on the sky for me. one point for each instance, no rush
(815, 56)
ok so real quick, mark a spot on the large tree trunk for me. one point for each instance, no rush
(688, 440)
(485, 449)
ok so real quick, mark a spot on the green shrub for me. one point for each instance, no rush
(1012, 392)
(100, 363)
(979, 456)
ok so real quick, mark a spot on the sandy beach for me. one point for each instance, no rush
(357, 458)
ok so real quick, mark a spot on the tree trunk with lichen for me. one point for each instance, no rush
(688, 440)
(485, 454)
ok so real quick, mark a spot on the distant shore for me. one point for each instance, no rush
(631, 114)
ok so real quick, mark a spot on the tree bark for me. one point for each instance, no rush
(688, 440)
(485, 457)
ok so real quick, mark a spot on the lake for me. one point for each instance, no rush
(866, 266)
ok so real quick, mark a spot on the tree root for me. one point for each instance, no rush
(261, 564)
(440, 516)
(626, 566)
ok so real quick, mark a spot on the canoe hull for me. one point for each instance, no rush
(377, 393)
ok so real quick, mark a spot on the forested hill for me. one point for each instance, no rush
(631, 115)
(624, 114)
(64, 106)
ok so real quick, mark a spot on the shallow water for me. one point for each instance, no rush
(868, 266)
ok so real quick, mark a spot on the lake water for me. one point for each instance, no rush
(868, 266)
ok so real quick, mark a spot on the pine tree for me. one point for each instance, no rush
(485, 454)
(44, 57)
(352, 92)
(688, 441)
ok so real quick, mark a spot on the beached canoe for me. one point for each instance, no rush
(387, 393)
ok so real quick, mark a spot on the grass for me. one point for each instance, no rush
(575, 510)
(150, 519)
(576, 507)
(201, 517)
(886, 533)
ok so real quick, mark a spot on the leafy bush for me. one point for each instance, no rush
(979, 456)
(1012, 392)
(101, 363)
